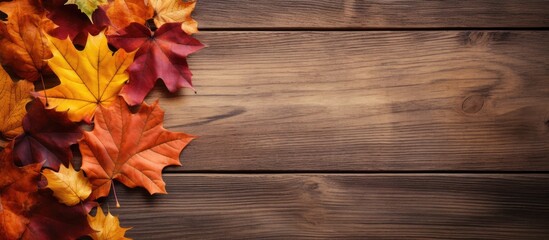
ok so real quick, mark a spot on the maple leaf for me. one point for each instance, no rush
(87, 6)
(51, 220)
(68, 185)
(132, 148)
(89, 78)
(23, 44)
(47, 137)
(73, 23)
(123, 12)
(106, 226)
(161, 54)
(176, 11)
(14, 97)
(18, 188)
(27, 6)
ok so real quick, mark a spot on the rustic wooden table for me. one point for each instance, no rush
(359, 119)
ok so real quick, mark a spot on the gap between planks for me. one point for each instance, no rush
(370, 29)
(402, 101)
(301, 172)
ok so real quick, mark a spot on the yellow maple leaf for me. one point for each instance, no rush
(175, 11)
(14, 97)
(106, 226)
(89, 78)
(69, 186)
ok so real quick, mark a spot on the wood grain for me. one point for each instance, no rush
(366, 101)
(307, 14)
(333, 206)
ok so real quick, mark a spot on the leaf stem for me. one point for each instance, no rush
(44, 89)
(115, 197)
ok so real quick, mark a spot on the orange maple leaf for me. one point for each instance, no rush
(28, 6)
(23, 44)
(132, 148)
(123, 12)
(175, 11)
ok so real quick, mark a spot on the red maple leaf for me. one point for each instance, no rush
(47, 138)
(161, 54)
(73, 23)
(50, 219)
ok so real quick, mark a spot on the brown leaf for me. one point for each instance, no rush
(14, 97)
(27, 6)
(23, 45)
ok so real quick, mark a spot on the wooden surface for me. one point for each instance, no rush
(335, 206)
(397, 100)
(307, 14)
(359, 120)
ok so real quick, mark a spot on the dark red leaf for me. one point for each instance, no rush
(53, 220)
(73, 23)
(17, 195)
(47, 138)
(161, 54)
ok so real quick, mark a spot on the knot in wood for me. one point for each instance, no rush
(473, 104)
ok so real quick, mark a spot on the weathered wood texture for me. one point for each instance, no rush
(371, 14)
(350, 206)
(345, 101)
(330, 101)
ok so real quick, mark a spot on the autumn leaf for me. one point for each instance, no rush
(18, 188)
(123, 12)
(69, 186)
(89, 78)
(161, 54)
(132, 148)
(29, 213)
(47, 137)
(27, 6)
(87, 6)
(23, 44)
(74, 24)
(107, 227)
(14, 97)
(176, 11)
(51, 220)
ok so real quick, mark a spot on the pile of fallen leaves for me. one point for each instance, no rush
(73, 79)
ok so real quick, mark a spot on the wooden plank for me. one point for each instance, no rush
(374, 206)
(366, 101)
(371, 14)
